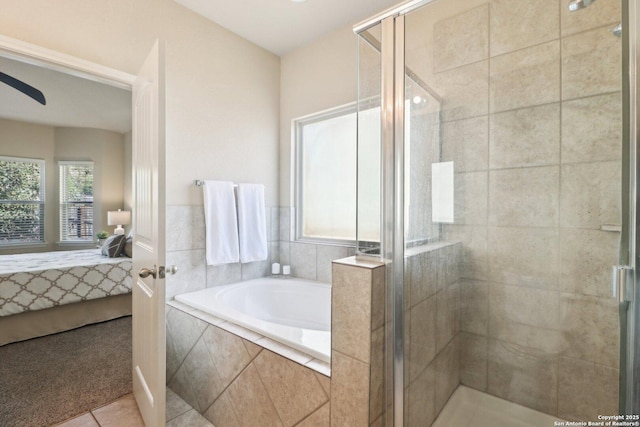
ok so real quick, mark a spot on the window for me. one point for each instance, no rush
(326, 170)
(21, 201)
(76, 201)
(326, 174)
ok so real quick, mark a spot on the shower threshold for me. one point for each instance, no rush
(472, 408)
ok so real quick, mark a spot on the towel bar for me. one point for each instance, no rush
(200, 183)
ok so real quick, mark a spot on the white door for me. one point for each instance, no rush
(148, 241)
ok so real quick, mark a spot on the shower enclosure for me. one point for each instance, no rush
(496, 178)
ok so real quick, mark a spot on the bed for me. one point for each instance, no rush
(44, 293)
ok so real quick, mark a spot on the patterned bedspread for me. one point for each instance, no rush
(42, 280)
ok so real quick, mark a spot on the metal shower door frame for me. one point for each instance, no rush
(630, 240)
(393, 238)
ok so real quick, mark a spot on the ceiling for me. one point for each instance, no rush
(71, 101)
(281, 26)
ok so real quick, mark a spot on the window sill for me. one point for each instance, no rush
(22, 245)
(78, 243)
(325, 241)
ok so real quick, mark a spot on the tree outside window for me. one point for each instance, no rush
(21, 201)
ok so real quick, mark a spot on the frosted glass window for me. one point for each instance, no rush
(369, 175)
(327, 180)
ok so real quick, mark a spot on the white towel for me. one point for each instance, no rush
(252, 223)
(221, 223)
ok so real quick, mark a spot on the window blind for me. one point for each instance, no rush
(76, 201)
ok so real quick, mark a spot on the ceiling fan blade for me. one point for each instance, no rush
(28, 90)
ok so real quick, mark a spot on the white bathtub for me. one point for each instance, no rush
(292, 311)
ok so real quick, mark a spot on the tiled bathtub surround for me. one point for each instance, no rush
(186, 249)
(536, 141)
(231, 377)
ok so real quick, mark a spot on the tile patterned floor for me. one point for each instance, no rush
(124, 412)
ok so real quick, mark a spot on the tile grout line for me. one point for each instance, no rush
(192, 347)
(269, 394)
(235, 412)
(94, 418)
(313, 412)
(486, 240)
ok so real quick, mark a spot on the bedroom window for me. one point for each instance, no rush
(76, 201)
(21, 201)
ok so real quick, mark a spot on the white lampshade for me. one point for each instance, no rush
(118, 218)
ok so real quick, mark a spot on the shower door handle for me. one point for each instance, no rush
(622, 283)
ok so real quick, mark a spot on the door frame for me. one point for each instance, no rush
(52, 60)
(57, 61)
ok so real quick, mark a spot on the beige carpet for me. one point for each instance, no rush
(47, 380)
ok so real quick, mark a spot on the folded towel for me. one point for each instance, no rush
(221, 223)
(252, 223)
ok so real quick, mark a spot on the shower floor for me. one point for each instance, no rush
(468, 407)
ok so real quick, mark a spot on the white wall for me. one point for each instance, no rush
(222, 91)
(107, 151)
(315, 77)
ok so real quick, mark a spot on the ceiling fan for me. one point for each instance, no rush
(28, 90)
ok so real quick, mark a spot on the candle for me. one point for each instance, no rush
(275, 268)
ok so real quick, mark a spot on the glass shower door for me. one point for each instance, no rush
(525, 179)
(507, 151)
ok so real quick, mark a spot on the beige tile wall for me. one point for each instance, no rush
(357, 342)
(535, 134)
(432, 326)
(185, 248)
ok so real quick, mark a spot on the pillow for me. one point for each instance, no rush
(128, 247)
(113, 246)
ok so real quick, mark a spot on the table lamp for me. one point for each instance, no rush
(118, 218)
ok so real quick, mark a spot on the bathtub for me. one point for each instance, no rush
(294, 312)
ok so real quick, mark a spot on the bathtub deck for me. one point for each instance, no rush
(471, 408)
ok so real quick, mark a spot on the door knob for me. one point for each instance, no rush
(145, 272)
